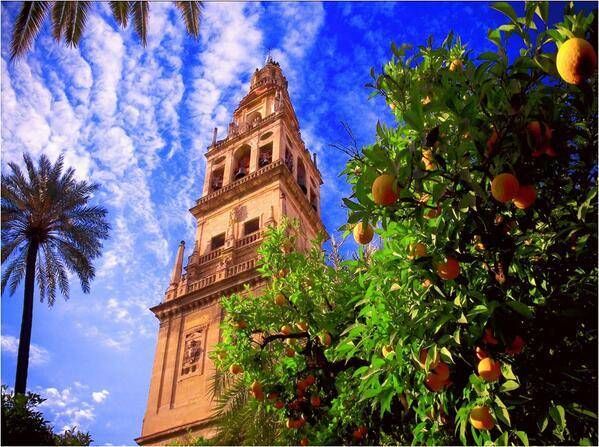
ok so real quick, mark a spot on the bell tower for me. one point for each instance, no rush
(258, 173)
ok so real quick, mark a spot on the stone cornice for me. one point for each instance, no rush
(168, 434)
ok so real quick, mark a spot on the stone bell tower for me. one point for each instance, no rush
(260, 172)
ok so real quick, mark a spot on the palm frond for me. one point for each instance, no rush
(120, 11)
(14, 271)
(27, 25)
(77, 16)
(60, 13)
(190, 13)
(140, 18)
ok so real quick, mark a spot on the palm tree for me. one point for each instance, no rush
(68, 20)
(48, 228)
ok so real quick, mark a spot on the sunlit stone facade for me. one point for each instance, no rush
(260, 172)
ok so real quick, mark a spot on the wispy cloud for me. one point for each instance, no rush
(37, 354)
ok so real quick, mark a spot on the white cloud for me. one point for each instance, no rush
(100, 396)
(37, 354)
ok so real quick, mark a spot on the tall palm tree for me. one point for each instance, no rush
(68, 20)
(48, 228)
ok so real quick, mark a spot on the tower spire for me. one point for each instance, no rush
(176, 275)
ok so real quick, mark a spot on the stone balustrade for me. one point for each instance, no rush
(249, 239)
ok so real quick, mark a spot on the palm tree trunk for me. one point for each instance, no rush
(26, 320)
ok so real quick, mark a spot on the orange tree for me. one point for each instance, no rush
(476, 320)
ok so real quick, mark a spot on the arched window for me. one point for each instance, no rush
(216, 179)
(241, 165)
(313, 198)
(253, 117)
(301, 176)
(289, 159)
(265, 155)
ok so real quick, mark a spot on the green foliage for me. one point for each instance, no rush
(525, 274)
(23, 425)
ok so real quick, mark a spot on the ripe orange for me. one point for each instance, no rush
(576, 60)
(417, 250)
(304, 441)
(289, 352)
(481, 419)
(363, 233)
(286, 329)
(480, 353)
(489, 337)
(456, 64)
(428, 159)
(388, 350)
(516, 346)
(272, 395)
(280, 299)
(279, 405)
(309, 380)
(540, 134)
(236, 368)
(325, 339)
(385, 190)
(302, 326)
(448, 270)
(256, 387)
(422, 358)
(427, 283)
(504, 187)
(433, 213)
(489, 369)
(315, 401)
(433, 382)
(240, 324)
(442, 371)
(526, 196)
(359, 432)
(491, 143)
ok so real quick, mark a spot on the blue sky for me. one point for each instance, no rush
(138, 121)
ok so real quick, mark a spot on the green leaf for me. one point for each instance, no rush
(521, 308)
(495, 37)
(506, 371)
(542, 10)
(503, 439)
(503, 414)
(509, 385)
(506, 9)
(558, 414)
(523, 437)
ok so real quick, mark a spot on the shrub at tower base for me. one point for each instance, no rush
(476, 320)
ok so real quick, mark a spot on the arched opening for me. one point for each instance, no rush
(301, 176)
(313, 198)
(241, 165)
(289, 159)
(265, 155)
(253, 118)
(216, 179)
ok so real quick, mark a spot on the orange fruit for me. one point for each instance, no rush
(256, 387)
(309, 380)
(489, 337)
(540, 134)
(259, 395)
(280, 299)
(427, 283)
(417, 250)
(480, 353)
(363, 233)
(516, 346)
(442, 371)
(434, 383)
(388, 350)
(456, 64)
(481, 419)
(385, 190)
(240, 324)
(526, 196)
(272, 395)
(422, 358)
(289, 352)
(236, 368)
(491, 142)
(576, 60)
(304, 441)
(359, 433)
(279, 405)
(504, 187)
(286, 330)
(489, 369)
(325, 339)
(428, 159)
(302, 326)
(315, 400)
(448, 270)
(433, 213)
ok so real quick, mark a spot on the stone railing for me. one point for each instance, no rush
(241, 132)
(242, 267)
(241, 181)
(249, 239)
(210, 256)
(218, 276)
(201, 283)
